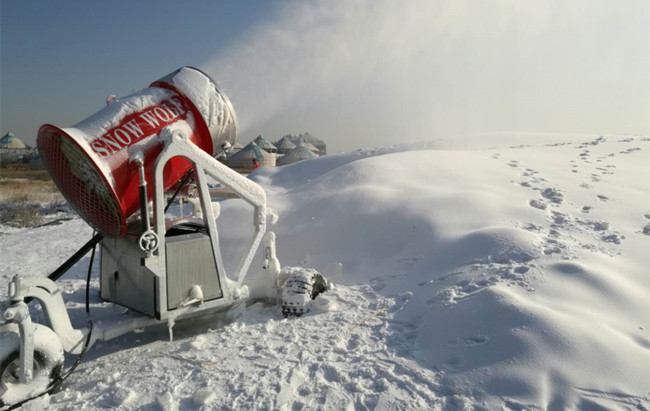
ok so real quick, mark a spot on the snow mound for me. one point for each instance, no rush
(509, 277)
(512, 302)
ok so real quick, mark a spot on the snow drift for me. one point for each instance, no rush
(504, 277)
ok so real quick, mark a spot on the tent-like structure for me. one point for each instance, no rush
(309, 146)
(297, 154)
(284, 145)
(11, 141)
(243, 159)
(14, 150)
(316, 142)
(265, 144)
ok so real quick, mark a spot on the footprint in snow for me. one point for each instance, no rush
(600, 225)
(553, 195)
(604, 171)
(533, 227)
(538, 204)
(474, 340)
(554, 248)
(594, 225)
(646, 229)
(522, 269)
(613, 238)
(453, 363)
(602, 197)
(559, 218)
(594, 142)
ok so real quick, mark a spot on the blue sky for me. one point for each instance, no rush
(356, 73)
(60, 59)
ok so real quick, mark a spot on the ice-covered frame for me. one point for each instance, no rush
(234, 291)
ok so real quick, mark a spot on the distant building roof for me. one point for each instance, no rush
(11, 141)
(297, 154)
(316, 142)
(264, 143)
(252, 151)
(304, 143)
(285, 144)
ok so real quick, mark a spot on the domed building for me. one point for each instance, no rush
(302, 152)
(316, 142)
(304, 143)
(265, 144)
(243, 159)
(14, 150)
(11, 141)
(284, 145)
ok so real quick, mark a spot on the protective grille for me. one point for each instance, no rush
(80, 183)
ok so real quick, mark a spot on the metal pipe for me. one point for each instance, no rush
(144, 209)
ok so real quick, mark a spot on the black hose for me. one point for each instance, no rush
(90, 270)
(184, 181)
(70, 262)
(75, 257)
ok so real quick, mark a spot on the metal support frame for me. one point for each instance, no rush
(235, 293)
(176, 144)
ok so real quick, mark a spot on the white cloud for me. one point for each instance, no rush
(361, 73)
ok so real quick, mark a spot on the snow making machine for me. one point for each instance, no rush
(120, 169)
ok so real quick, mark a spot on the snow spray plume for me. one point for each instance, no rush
(366, 73)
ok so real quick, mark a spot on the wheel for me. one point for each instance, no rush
(300, 288)
(48, 363)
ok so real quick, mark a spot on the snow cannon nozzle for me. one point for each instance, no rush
(90, 161)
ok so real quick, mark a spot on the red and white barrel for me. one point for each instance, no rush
(90, 161)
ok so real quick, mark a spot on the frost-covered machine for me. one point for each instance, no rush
(120, 169)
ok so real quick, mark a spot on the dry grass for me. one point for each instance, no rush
(28, 191)
(24, 215)
(23, 192)
(21, 171)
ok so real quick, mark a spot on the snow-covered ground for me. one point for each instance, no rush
(504, 273)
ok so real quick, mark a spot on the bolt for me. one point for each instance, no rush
(9, 315)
